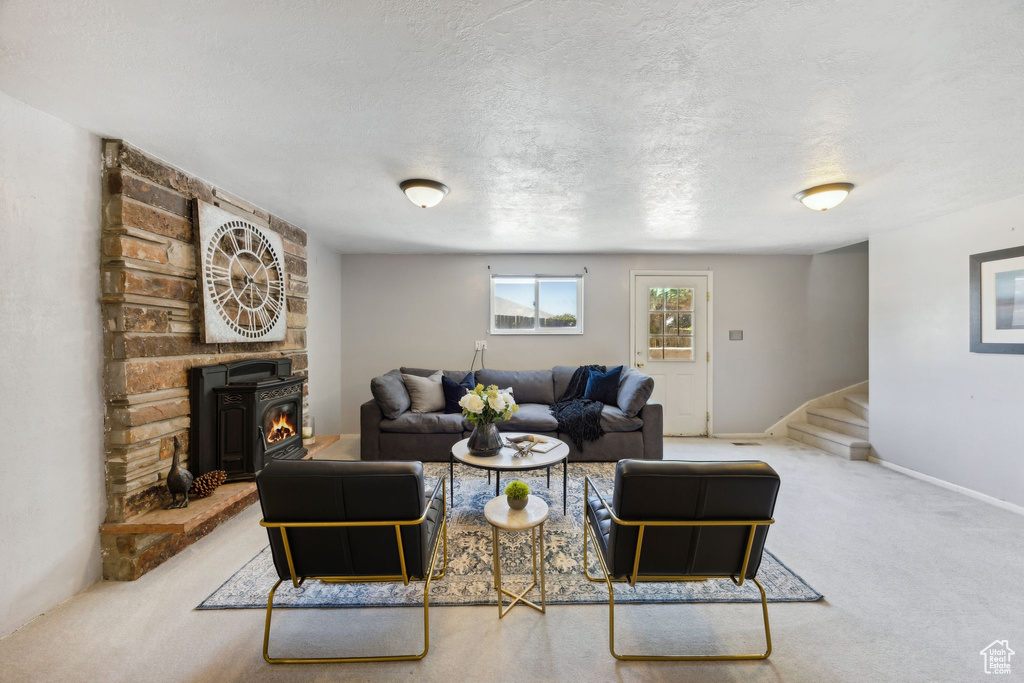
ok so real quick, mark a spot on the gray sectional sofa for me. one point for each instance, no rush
(389, 431)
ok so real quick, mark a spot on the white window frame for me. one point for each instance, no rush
(537, 279)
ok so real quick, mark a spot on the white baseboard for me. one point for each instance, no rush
(740, 435)
(971, 493)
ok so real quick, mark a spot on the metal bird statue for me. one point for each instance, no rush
(179, 480)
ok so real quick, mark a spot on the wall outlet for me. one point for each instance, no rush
(480, 345)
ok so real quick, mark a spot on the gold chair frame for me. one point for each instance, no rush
(590, 533)
(403, 577)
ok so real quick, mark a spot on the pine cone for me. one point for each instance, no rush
(206, 484)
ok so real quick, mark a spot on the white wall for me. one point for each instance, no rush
(427, 310)
(936, 407)
(837, 319)
(52, 495)
(323, 336)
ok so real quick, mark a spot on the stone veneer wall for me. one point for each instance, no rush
(152, 319)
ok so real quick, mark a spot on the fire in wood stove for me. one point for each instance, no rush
(280, 423)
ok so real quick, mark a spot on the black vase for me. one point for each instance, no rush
(485, 441)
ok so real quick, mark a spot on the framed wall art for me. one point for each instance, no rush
(997, 301)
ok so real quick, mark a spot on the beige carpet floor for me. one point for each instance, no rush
(917, 581)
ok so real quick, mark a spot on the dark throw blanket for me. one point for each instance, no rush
(577, 417)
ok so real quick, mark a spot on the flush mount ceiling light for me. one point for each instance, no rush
(824, 197)
(424, 193)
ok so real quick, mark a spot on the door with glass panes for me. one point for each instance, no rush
(670, 343)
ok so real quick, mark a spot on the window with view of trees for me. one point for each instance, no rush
(537, 304)
(670, 324)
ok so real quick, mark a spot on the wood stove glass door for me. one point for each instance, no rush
(279, 423)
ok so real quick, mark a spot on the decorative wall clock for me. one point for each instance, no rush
(242, 276)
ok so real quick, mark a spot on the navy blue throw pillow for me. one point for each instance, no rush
(453, 392)
(603, 386)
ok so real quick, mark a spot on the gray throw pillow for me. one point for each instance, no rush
(419, 372)
(635, 389)
(562, 375)
(390, 393)
(426, 393)
(531, 386)
(454, 375)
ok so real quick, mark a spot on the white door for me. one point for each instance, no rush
(670, 343)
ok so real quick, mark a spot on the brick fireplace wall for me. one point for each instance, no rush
(151, 307)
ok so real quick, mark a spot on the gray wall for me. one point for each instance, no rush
(837, 319)
(427, 311)
(324, 336)
(52, 497)
(935, 407)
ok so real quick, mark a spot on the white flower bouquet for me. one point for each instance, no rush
(484, 405)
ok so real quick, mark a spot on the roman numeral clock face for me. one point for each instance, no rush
(243, 280)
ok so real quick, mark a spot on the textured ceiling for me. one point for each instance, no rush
(559, 125)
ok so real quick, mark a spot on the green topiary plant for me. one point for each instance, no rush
(517, 490)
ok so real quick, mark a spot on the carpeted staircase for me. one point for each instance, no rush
(840, 431)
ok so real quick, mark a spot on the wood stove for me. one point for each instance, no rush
(245, 414)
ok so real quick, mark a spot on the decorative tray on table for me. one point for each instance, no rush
(528, 443)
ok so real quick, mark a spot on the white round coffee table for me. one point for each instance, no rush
(505, 462)
(501, 516)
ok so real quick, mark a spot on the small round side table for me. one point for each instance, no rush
(500, 516)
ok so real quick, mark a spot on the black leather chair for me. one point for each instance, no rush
(345, 522)
(681, 521)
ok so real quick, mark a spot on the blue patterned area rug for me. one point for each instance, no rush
(470, 579)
